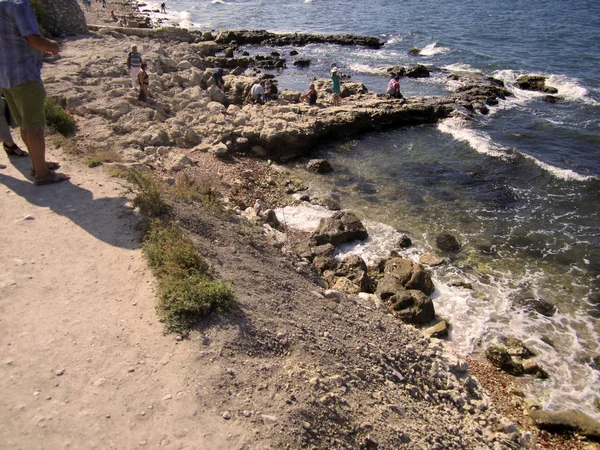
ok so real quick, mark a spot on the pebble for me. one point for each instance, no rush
(226, 415)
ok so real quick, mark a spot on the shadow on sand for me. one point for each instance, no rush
(104, 218)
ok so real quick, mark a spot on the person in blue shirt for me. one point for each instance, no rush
(21, 51)
(336, 87)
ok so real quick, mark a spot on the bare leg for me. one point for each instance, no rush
(36, 144)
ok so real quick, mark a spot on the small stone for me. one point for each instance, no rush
(269, 420)
(167, 397)
(226, 415)
(59, 372)
(131, 369)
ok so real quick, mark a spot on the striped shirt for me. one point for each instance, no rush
(19, 61)
(134, 59)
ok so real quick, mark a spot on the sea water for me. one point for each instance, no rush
(519, 187)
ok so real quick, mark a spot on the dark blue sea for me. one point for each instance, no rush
(519, 188)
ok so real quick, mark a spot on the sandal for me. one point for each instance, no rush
(51, 178)
(13, 150)
(50, 164)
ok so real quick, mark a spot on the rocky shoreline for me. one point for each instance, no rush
(190, 128)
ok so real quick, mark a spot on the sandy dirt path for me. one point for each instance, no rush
(83, 360)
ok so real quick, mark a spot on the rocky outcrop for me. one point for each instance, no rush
(262, 37)
(61, 17)
(414, 71)
(569, 420)
(515, 358)
(340, 228)
(535, 83)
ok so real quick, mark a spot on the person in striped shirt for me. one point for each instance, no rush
(134, 64)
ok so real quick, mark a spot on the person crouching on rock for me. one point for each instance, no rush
(310, 96)
(393, 88)
(217, 77)
(257, 92)
(143, 81)
(272, 91)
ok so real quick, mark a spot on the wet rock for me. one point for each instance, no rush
(303, 63)
(455, 282)
(541, 306)
(596, 362)
(342, 227)
(569, 420)
(293, 52)
(447, 243)
(550, 98)
(431, 259)
(414, 51)
(439, 330)
(535, 83)
(530, 367)
(411, 307)
(517, 348)
(404, 242)
(319, 166)
(499, 357)
(415, 71)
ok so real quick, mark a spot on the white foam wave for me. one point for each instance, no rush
(479, 141)
(219, 2)
(381, 241)
(366, 68)
(563, 174)
(457, 127)
(433, 49)
(459, 67)
(568, 88)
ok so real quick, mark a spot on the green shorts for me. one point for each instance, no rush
(26, 103)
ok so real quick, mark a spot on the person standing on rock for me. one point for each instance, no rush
(22, 49)
(143, 81)
(134, 64)
(336, 87)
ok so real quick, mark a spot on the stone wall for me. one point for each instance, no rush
(63, 17)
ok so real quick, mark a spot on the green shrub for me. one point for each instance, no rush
(148, 192)
(171, 253)
(184, 301)
(59, 119)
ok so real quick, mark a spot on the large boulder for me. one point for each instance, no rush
(411, 306)
(340, 228)
(535, 83)
(569, 420)
(411, 275)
